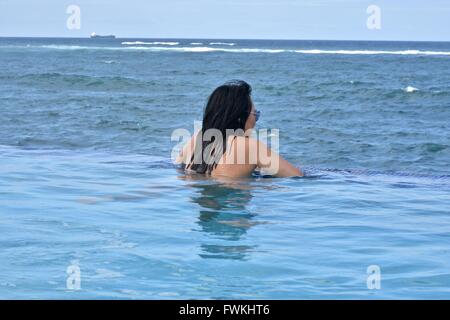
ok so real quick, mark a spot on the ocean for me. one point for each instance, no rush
(91, 206)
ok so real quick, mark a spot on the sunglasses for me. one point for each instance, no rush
(257, 114)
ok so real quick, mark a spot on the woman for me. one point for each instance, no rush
(223, 147)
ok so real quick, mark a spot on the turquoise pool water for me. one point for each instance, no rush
(86, 179)
(137, 228)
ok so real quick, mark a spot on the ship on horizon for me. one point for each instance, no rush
(94, 35)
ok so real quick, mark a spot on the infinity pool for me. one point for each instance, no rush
(137, 227)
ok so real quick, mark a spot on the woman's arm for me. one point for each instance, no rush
(275, 164)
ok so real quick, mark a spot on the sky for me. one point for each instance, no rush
(408, 20)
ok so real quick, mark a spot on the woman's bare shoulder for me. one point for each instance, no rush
(248, 140)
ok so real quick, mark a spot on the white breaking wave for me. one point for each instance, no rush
(373, 52)
(410, 89)
(222, 44)
(196, 43)
(150, 43)
(173, 47)
(256, 50)
(209, 49)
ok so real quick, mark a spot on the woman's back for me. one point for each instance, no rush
(242, 156)
(235, 161)
(219, 152)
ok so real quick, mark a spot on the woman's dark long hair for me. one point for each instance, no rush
(228, 108)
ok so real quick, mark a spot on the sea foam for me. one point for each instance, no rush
(410, 89)
(222, 44)
(172, 46)
(150, 43)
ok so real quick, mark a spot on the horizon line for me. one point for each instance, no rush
(202, 38)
